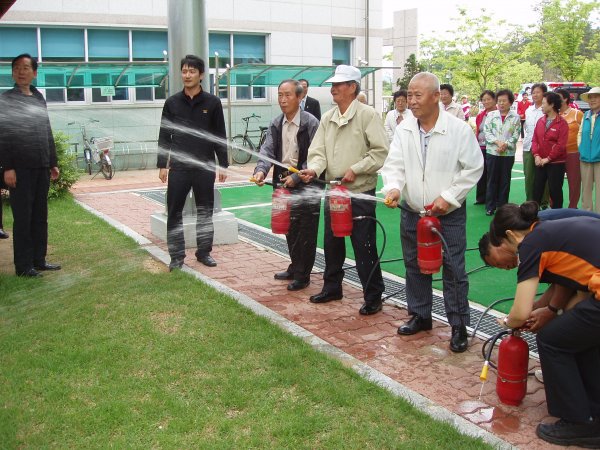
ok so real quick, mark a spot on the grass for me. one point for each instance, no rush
(113, 351)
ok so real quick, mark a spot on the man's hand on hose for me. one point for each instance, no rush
(392, 198)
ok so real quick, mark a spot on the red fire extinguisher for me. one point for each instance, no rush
(513, 361)
(429, 244)
(280, 211)
(340, 208)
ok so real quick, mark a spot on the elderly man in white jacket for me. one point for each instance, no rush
(435, 160)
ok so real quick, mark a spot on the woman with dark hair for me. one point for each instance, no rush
(573, 117)
(501, 130)
(488, 100)
(565, 253)
(549, 149)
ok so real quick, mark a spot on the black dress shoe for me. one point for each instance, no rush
(175, 264)
(207, 260)
(324, 297)
(3, 234)
(414, 325)
(296, 285)
(47, 266)
(479, 202)
(582, 434)
(31, 273)
(283, 276)
(370, 308)
(459, 341)
(489, 212)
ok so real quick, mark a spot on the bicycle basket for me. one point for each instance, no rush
(105, 143)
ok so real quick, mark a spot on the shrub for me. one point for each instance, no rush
(66, 164)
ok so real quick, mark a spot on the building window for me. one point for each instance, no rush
(341, 51)
(149, 46)
(237, 49)
(62, 44)
(78, 45)
(14, 41)
(108, 45)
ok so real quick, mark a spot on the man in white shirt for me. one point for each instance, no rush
(532, 115)
(398, 114)
(449, 105)
(433, 163)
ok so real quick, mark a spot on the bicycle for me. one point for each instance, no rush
(96, 150)
(243, 141)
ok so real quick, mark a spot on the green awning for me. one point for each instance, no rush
(152, 74)
(93, 74)
(260, 75)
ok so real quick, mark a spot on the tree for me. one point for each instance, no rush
(565, 36)
(514, 75)
(590, 73)
(483, 43)
(411, 68)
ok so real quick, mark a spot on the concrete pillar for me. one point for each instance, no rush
(188, 34)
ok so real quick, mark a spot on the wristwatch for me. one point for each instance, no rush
(554, 309)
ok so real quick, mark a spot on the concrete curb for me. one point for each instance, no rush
(414, 398)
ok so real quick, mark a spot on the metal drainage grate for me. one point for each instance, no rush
(395, 288)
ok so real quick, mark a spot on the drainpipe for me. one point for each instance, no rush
(188, 34)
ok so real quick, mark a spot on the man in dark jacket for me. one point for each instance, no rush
(309, 104)
(288, 138)
(191, 119)
(28, 157)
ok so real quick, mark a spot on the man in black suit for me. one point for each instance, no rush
(28, 157)
(307, 103)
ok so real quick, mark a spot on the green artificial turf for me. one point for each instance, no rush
(486, 285)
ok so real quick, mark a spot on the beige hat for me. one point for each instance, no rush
(345, 73)
(594, 90)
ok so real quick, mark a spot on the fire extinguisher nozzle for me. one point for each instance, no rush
(293, 170)
(484, 371)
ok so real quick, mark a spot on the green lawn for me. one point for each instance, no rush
(115, 352)
(485, 286)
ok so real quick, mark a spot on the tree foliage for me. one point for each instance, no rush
(483, 53)
(411, 68)
(565, 36)
(66, 164)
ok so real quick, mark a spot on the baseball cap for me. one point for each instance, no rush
(345, 73)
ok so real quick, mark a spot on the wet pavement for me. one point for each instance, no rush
(421, 362)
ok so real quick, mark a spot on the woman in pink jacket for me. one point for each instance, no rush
(549, 148)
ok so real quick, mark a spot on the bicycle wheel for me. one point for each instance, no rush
(106, 167)
(87, 155)
(241, 150)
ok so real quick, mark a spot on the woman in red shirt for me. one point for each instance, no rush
(549, 148)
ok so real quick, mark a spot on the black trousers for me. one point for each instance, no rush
(482, 183)
(569, 349)
(554, 174)
(419, 294)
(364, 243)
(498, 180)
(304, 227)
(29, 203)
(202, 183)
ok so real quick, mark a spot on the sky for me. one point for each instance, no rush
(434, 15)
